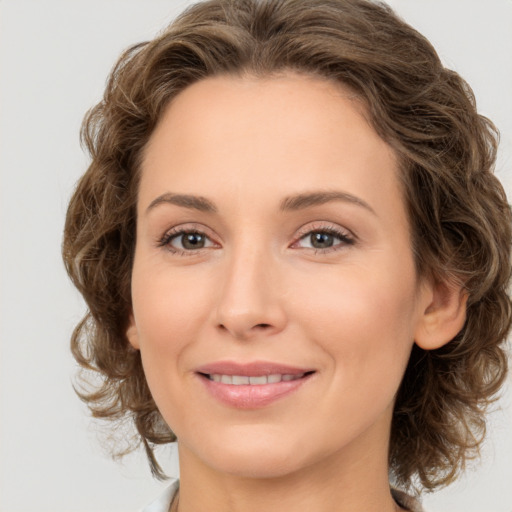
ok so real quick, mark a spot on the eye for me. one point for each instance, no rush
(325, 239)
(183, 241)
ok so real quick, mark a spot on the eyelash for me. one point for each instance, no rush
(166, 240)
(346, 239)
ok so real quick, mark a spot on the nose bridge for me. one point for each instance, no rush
(249, 298)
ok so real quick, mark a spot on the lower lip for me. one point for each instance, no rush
(248, 396)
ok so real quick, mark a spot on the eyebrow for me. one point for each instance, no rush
(290, 203)
(306, 200)
(186, 201)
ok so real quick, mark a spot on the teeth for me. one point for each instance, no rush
(258, 380)
(226, 379)
(240, 380)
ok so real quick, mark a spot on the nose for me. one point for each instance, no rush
(250, 303)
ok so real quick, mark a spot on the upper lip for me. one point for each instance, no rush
(250, 369)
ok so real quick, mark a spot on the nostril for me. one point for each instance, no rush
(245, 331)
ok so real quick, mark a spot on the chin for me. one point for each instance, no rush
(253, 456)
(262, 466)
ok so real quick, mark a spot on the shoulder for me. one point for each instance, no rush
(163, 502)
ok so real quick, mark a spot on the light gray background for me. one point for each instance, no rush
(54, 58)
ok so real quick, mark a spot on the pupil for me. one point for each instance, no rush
(321, 240)
(193, 241)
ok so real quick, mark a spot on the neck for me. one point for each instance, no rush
(347, 481)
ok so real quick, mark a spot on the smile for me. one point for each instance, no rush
(244, 380)
(252, 385)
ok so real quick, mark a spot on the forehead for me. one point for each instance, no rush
(269, 136)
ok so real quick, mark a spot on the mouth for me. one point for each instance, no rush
(260, 380)
(254, 385)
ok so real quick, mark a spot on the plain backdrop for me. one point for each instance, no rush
(54, 59)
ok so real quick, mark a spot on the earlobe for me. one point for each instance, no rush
(132, 334)
(443, 317)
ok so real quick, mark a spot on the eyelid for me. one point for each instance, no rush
(346, 236)
(191, 227)
(321, 225)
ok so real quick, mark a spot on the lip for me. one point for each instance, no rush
(247, 396)
(251, 369)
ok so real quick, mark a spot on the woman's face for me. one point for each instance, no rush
(275, 300)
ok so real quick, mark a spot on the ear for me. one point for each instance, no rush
(444, 314)
(132, 334)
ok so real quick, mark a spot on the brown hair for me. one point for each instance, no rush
(460, 218)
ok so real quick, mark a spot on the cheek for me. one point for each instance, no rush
(169, 310)
(167, 305)
(363, 325)
(364, 321)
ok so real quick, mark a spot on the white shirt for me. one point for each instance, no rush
(163, 502)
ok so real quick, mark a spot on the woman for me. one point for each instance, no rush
(295, 257)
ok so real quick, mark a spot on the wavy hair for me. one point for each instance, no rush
(458, 211)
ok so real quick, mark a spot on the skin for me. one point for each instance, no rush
(259, 290)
